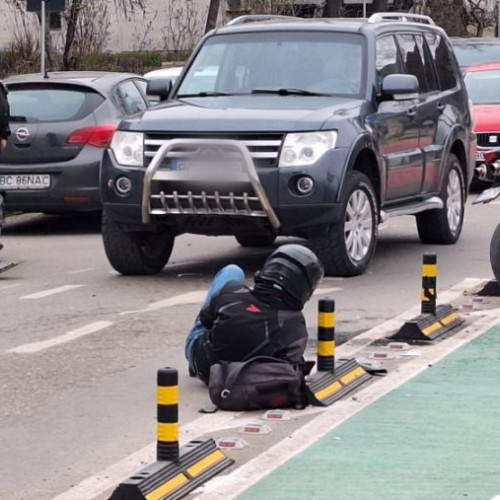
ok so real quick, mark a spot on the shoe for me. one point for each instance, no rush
(1, 246)
(192, 371)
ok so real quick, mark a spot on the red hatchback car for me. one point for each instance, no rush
(483, 86)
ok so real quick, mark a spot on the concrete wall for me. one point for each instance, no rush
(166, 24)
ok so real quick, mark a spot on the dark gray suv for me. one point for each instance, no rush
(318, 128)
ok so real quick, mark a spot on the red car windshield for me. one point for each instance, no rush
(483, 86)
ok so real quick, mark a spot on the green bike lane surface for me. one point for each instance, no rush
(435, 437)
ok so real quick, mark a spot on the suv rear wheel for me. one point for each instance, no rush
(444, 225)
(348, 246)
(255, 240)
(136, 253)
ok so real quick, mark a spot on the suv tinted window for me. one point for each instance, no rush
(443, 60)
(330, 63)
(430, 75)
(51, 102)
(387, 59)
(413, 59)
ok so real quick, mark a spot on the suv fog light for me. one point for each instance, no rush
(123, 185)
(305, 185)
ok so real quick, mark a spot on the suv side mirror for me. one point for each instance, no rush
(400, 86)
(160, 87)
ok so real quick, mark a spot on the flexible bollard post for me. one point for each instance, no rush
(330, 383)
(434, 320)
(167, 445)
(429, 276)
(326, 335)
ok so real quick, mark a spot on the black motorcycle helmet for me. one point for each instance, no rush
(293, 270)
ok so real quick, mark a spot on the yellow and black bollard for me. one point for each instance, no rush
(330, 383)
(326, 335)
(176, 472)
(429, 279)
(434, 319)
(167, 399)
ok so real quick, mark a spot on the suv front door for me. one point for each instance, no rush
(430, 106)
(396, 126)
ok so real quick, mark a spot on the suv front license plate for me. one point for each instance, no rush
(24, 181)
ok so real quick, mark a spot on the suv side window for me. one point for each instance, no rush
(443, 61)
(387, 59)
(413, 60)
(430, 75)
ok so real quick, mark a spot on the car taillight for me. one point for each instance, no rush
(97, 135)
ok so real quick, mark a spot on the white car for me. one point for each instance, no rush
(172, 72)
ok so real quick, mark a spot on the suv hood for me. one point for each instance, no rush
(266, 113)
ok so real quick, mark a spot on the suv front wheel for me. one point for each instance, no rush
(444, 225)
(136, 253)
(348, 246)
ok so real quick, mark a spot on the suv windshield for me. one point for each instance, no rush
(475, 53)
(309, 64)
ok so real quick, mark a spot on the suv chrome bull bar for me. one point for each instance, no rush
(248, 174)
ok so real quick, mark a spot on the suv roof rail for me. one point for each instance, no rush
(258, 17)
(400, 16)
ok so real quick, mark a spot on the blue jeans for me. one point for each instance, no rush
(229, 273)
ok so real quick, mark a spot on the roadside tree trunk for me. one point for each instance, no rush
(332, 8)
(379, 5)
(71, 20)
(213, 12)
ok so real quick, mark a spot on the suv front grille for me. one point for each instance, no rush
(264, 148)
(210, 203)
(488, 139)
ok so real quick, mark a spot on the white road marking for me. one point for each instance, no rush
(52, 291)
(193, 297)
(8, 287)
(72, 335)
(113, 475)
(79, 271)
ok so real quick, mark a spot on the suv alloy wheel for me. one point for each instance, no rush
(347, 248)
(443, 226)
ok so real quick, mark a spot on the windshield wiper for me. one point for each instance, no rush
(286, 92)
(205, 94)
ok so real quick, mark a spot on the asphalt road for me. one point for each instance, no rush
(80, 344)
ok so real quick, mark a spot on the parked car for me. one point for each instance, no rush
(60, 126)
(483, 85)
(310, 128)
(471, 51)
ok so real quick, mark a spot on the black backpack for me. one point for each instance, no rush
(261, 382)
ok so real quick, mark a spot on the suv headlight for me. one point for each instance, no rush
(305, 148)
(128, 148)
